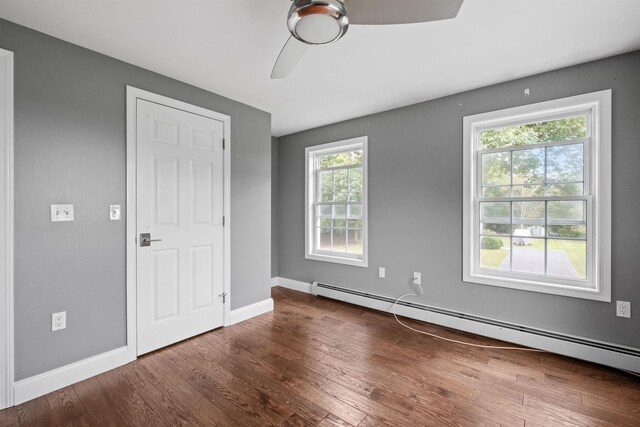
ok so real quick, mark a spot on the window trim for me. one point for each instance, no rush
(310, 182)
(598, 215)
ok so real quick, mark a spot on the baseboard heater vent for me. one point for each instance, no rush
(317, 289)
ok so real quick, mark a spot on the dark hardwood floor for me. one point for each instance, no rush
(318, 362)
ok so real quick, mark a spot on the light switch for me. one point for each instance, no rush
(61, 213)
(114, 212)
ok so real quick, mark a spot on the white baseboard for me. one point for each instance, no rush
(44, 383)
(249, 311)
(594, 354)
(291, 284)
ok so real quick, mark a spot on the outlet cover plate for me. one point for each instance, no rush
(61, 213)
(623, 309)
(114, 212)
(58, 321)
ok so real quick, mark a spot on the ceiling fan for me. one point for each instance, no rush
(313, 22)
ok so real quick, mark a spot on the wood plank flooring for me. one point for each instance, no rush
(319, 362)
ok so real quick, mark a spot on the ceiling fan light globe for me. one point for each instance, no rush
(318, 22)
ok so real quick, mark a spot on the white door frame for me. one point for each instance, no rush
(6, 229)
(133, 94)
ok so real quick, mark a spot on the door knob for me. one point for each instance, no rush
(145, 239)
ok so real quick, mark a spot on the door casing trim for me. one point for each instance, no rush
(6, 230)
(133, 94)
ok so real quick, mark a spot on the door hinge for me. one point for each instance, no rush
(224, 221)
(224, 297)
(224, 144)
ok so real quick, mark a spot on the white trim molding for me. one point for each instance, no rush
(296, 285)
(581, 348)
(133, 94)
(248, 311)
(596, 109)
(49, 381)
(6, 229)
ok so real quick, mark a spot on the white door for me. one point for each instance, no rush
(180, 208)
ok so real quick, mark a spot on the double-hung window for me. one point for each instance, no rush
(336, 202)
(537, 197)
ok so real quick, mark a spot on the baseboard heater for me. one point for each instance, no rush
(327, 290)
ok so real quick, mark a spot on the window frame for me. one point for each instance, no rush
(311, 152)
(597, 194)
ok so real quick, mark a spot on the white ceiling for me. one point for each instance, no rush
(229, 47)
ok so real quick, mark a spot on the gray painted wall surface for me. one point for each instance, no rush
(70, 148)
(415, 203)
(274, 206)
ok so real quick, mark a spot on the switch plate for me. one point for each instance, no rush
(381, 272)
(623, 309)
(417, 278)
(58, 321)
(61, 213)
(114, 212)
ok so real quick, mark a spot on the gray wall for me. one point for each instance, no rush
(70, 148)
(415, 203)
(274, 206)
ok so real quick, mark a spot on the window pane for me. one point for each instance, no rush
(565, 163)
(355, 179)
(567, 258)
(323, 211)
(326, 181)
(326, 197)
(528, 190)
(488, 228)
(354, 223)
(339, 211)
(354, 242)
(355, 211)
(339, 223)
(496, 191)
(528, 166)
(494, 252)
(340, 159)
(496, 169)
(528, 258)
(323, 222)
(570, 231)
(523, 234)
(341, 181)
(339, 240)
(528, 212)
(340, 197)
(496, 212)
(355, 197)
(535, 133)
(565, 189)
(572, 211)
(324, 242)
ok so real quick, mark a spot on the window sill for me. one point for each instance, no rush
(337, 260)
(561, 289)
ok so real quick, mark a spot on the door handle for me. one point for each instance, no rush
(145, 239)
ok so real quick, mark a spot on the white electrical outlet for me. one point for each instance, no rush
(114, 212)
(61, 213)
(58, 321)
(381, 272)
(623, 309)
(417, 278)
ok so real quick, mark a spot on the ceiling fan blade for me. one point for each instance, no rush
(385, 12)
(291, 54)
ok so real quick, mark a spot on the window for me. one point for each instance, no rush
(537, 197)
(336, 202)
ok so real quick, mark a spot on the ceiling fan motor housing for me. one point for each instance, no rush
(318, 21)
